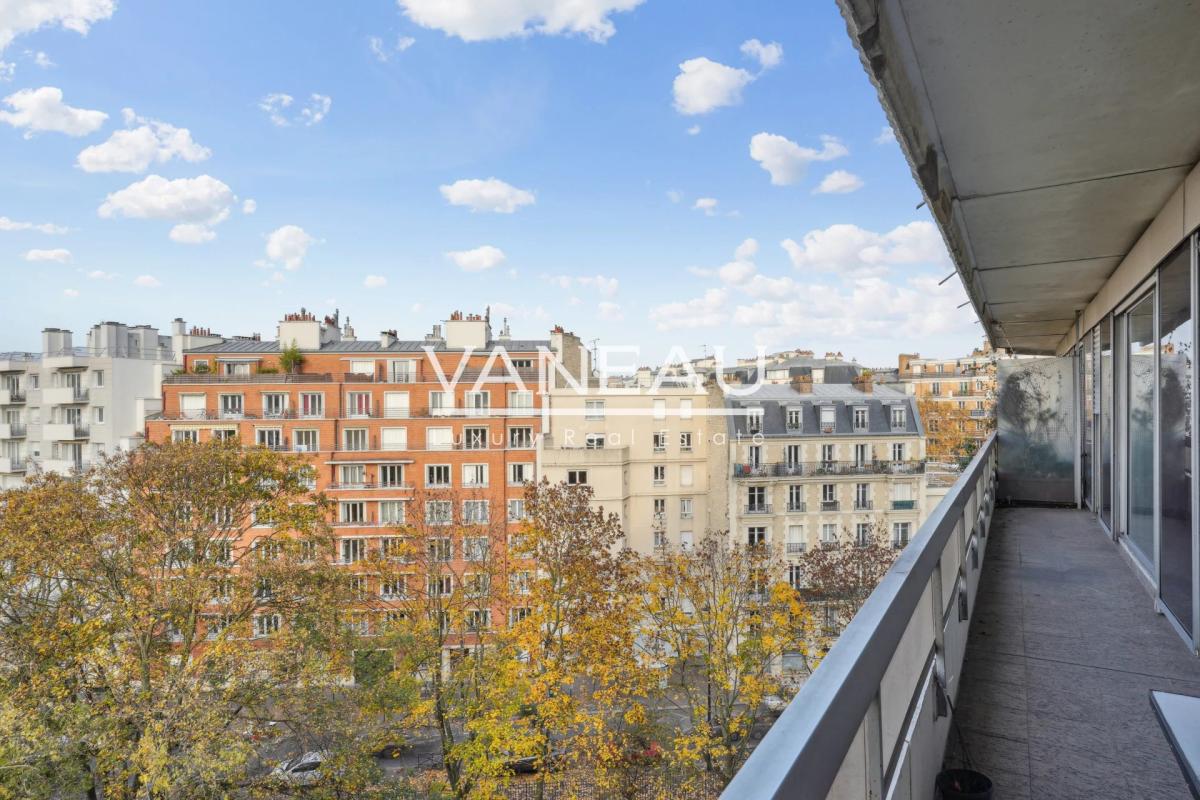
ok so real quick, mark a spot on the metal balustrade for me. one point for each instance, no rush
(827, 468)
(873, 718)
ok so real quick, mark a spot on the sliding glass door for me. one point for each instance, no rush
(1175, 352)
(1104, 374)
(1141, 410)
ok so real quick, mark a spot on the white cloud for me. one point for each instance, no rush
(7, 224)
(693, 131)
(602, 285)
(101, 275)
(191, 233)
(381, 51)
(492, 194)
(701, 312)
(58, 254)
(70, 293)
(703, 85)
(41, 59)
(288, 245)
(608, 310)
(200, 202)
(886, 135)
(785, 160)
(477, 20)
(7, 70)
(147, 281)
(502, 309)
(278, 104)
(249, 206)
(839, 182)
(17, 17)
(135, 149)
(478, 259)
(767, 55)
(746, 250)
(706, 204)
(853, 250)
(42, 110)
(674, 195)
(404, 42)
(374, 281)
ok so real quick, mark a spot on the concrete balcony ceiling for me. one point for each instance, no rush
(1045, 137)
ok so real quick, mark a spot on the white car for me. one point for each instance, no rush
(304, 769)
(774, 704)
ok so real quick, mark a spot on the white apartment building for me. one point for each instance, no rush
(813, 463)
(66, 406)
(648, 455)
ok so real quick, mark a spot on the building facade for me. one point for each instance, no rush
(957, 397)
(65, 407)
(825, 463)
(648, 455)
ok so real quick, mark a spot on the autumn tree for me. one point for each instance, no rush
(575, 627)
(156, 615)
(717, 620)
(952, 433)
(839, 576)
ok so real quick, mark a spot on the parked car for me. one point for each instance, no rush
(528, 765)
(774, 704)
(303, 769)
(393, 750)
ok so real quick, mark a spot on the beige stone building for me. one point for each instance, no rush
(647, 453)
(812, 463)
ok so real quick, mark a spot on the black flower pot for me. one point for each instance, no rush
(963, 784)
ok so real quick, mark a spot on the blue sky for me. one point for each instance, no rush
(609, 127)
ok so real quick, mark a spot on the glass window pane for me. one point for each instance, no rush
(1106, 419)
(1175, 428)
(1141, 428)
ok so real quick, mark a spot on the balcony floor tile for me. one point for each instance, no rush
(1065, 646)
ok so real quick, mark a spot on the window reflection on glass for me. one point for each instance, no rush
(1175, 430)
(1140, 320)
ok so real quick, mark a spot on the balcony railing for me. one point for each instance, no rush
(830, 505)
(823, 468)
(797, 506)
(795, 548)
(12, 430)
(758, 508)
(863, 505)
(904, 505)
(11, 396)
(874, 714)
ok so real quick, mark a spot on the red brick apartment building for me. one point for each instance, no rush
(386, 422)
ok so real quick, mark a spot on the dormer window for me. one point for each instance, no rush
(754, 420)
(794, 419)
(828, 419)
(898, 417)
(860, 418)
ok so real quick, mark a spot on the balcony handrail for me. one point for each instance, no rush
(802, 754)
(778, 469)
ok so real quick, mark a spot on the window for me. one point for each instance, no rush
(352, 475)
(964, 387)
(593, 409)
(522, 363)
(440, 585)
(265, 625)
(660, 539)
(660, 409)
(860, 455)
(828, 533)
(191, 435)
(394, 548)
(685, 442)
(391, 474)
(215, 625)
(660, 474)
(519, 582)
(795, 539)
(393, 438)
(312, 404)
(754, 455)
(98, 378)
(441, 550)
(576, 477)
(935, 388)
(794, 418)
(898, 415)
(263, 590)
(791, 454)
(478, 404)
(862, 496)
(516, 509)
(437, 475)
(391, 512)
(275, 404)
(795, 497)
(685, 408)
(517, 615)
(475, 512)
(192, 406)
(897, 451)
(479, 619)
(360, 587)
(594, 441)
(392, 588)
(520, 437)
(358, 404)
(520, 401)
(754, 420)
(685, 474)
(440, 404)
(439, 512)
(827, 454)
(756, 500)
(795, 576)
(685, 507)
(900, 532)
(860, 419)
(862, 534)
(685, 540)
(756, 535)
(402, 371)
(395, 405)
(475, 438)
(475, 548)
(353, 512)
(355, 438)
(231, 406)
(98, 415)
(828, 419)
(306, 440)
(660, 442)
(660, 508)
(520, 473)
(439, 438)
(475, 475)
